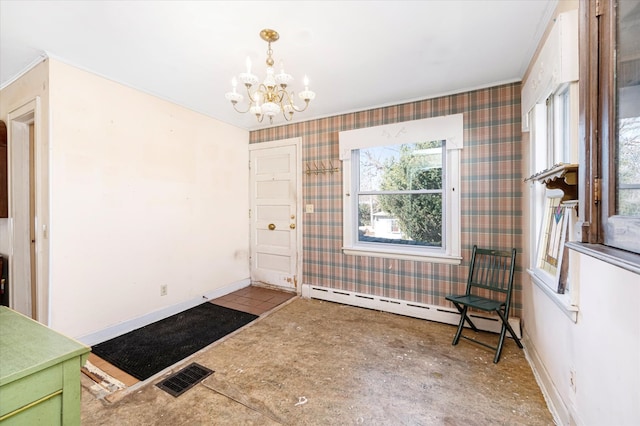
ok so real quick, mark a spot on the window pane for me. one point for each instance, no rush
(628, 170)
(564, 127)
(628, 114)
(406, 167)
(401, 219)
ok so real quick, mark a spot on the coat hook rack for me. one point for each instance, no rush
(321, 169)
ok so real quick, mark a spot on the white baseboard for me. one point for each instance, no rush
(559, 410)
(403, 307)
(134, 324)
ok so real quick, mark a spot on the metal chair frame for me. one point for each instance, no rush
(490, 273)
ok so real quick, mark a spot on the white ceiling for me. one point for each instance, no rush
(357, 54)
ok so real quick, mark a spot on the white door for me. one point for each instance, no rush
(22, 290)
(274, 214)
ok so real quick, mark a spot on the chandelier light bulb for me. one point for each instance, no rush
(234, 97)
(306, 95)
(271, 97)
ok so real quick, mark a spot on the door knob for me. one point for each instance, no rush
(272, 227)
(292, 226)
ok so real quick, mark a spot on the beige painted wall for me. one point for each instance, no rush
(143, 193)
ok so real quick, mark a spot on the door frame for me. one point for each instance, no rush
(18, 122)
(299, 223)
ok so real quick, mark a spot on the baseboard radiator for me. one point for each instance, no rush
(402, 307)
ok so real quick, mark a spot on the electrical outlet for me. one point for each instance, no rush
(572, 380)
(163, 290)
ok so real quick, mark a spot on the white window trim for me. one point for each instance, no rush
(448, 128)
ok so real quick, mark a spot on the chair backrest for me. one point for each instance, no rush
(492, 270)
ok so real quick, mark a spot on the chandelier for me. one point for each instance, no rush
(270, 97)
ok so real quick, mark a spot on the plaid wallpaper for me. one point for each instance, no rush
(491, 198)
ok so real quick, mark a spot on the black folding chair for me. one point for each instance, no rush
(489, 289)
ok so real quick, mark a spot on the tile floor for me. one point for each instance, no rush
(254, 300)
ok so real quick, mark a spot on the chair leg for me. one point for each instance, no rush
(463, 315)
(466, 317)
(472, 325)
(503, 331)
(463, 318)
(513, 333)
(505, 326)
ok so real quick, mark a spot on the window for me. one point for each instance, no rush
(550, 100)
(401, 190)
(554, 124)
(400, 193)
(628, 173)
(610, 199)
(623, 181)
(562, 144)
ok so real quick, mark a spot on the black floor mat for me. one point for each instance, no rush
(150, 349)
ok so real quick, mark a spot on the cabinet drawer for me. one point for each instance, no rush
(17, 394)
(46, 413)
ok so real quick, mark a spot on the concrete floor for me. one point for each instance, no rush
(318, 363)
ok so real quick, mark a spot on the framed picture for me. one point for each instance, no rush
(551, 243)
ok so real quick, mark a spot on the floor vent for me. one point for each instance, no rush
(183, 380)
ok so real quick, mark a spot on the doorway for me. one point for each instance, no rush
(275, 185)
(26, 286)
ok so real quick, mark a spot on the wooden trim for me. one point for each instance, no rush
(598, 127)
(607, 112)
(32, 221)
(589, 222)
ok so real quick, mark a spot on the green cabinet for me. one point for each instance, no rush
(39, 373)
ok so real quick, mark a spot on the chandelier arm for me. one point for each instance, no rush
(306, 104)
(265, 92)
(235, 106)
(251, 100)
(290, 97)
(284, 94)
(262, 88)
(289, 118)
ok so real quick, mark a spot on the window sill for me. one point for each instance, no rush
(563, 301)
(402, 255)
(613, 256)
